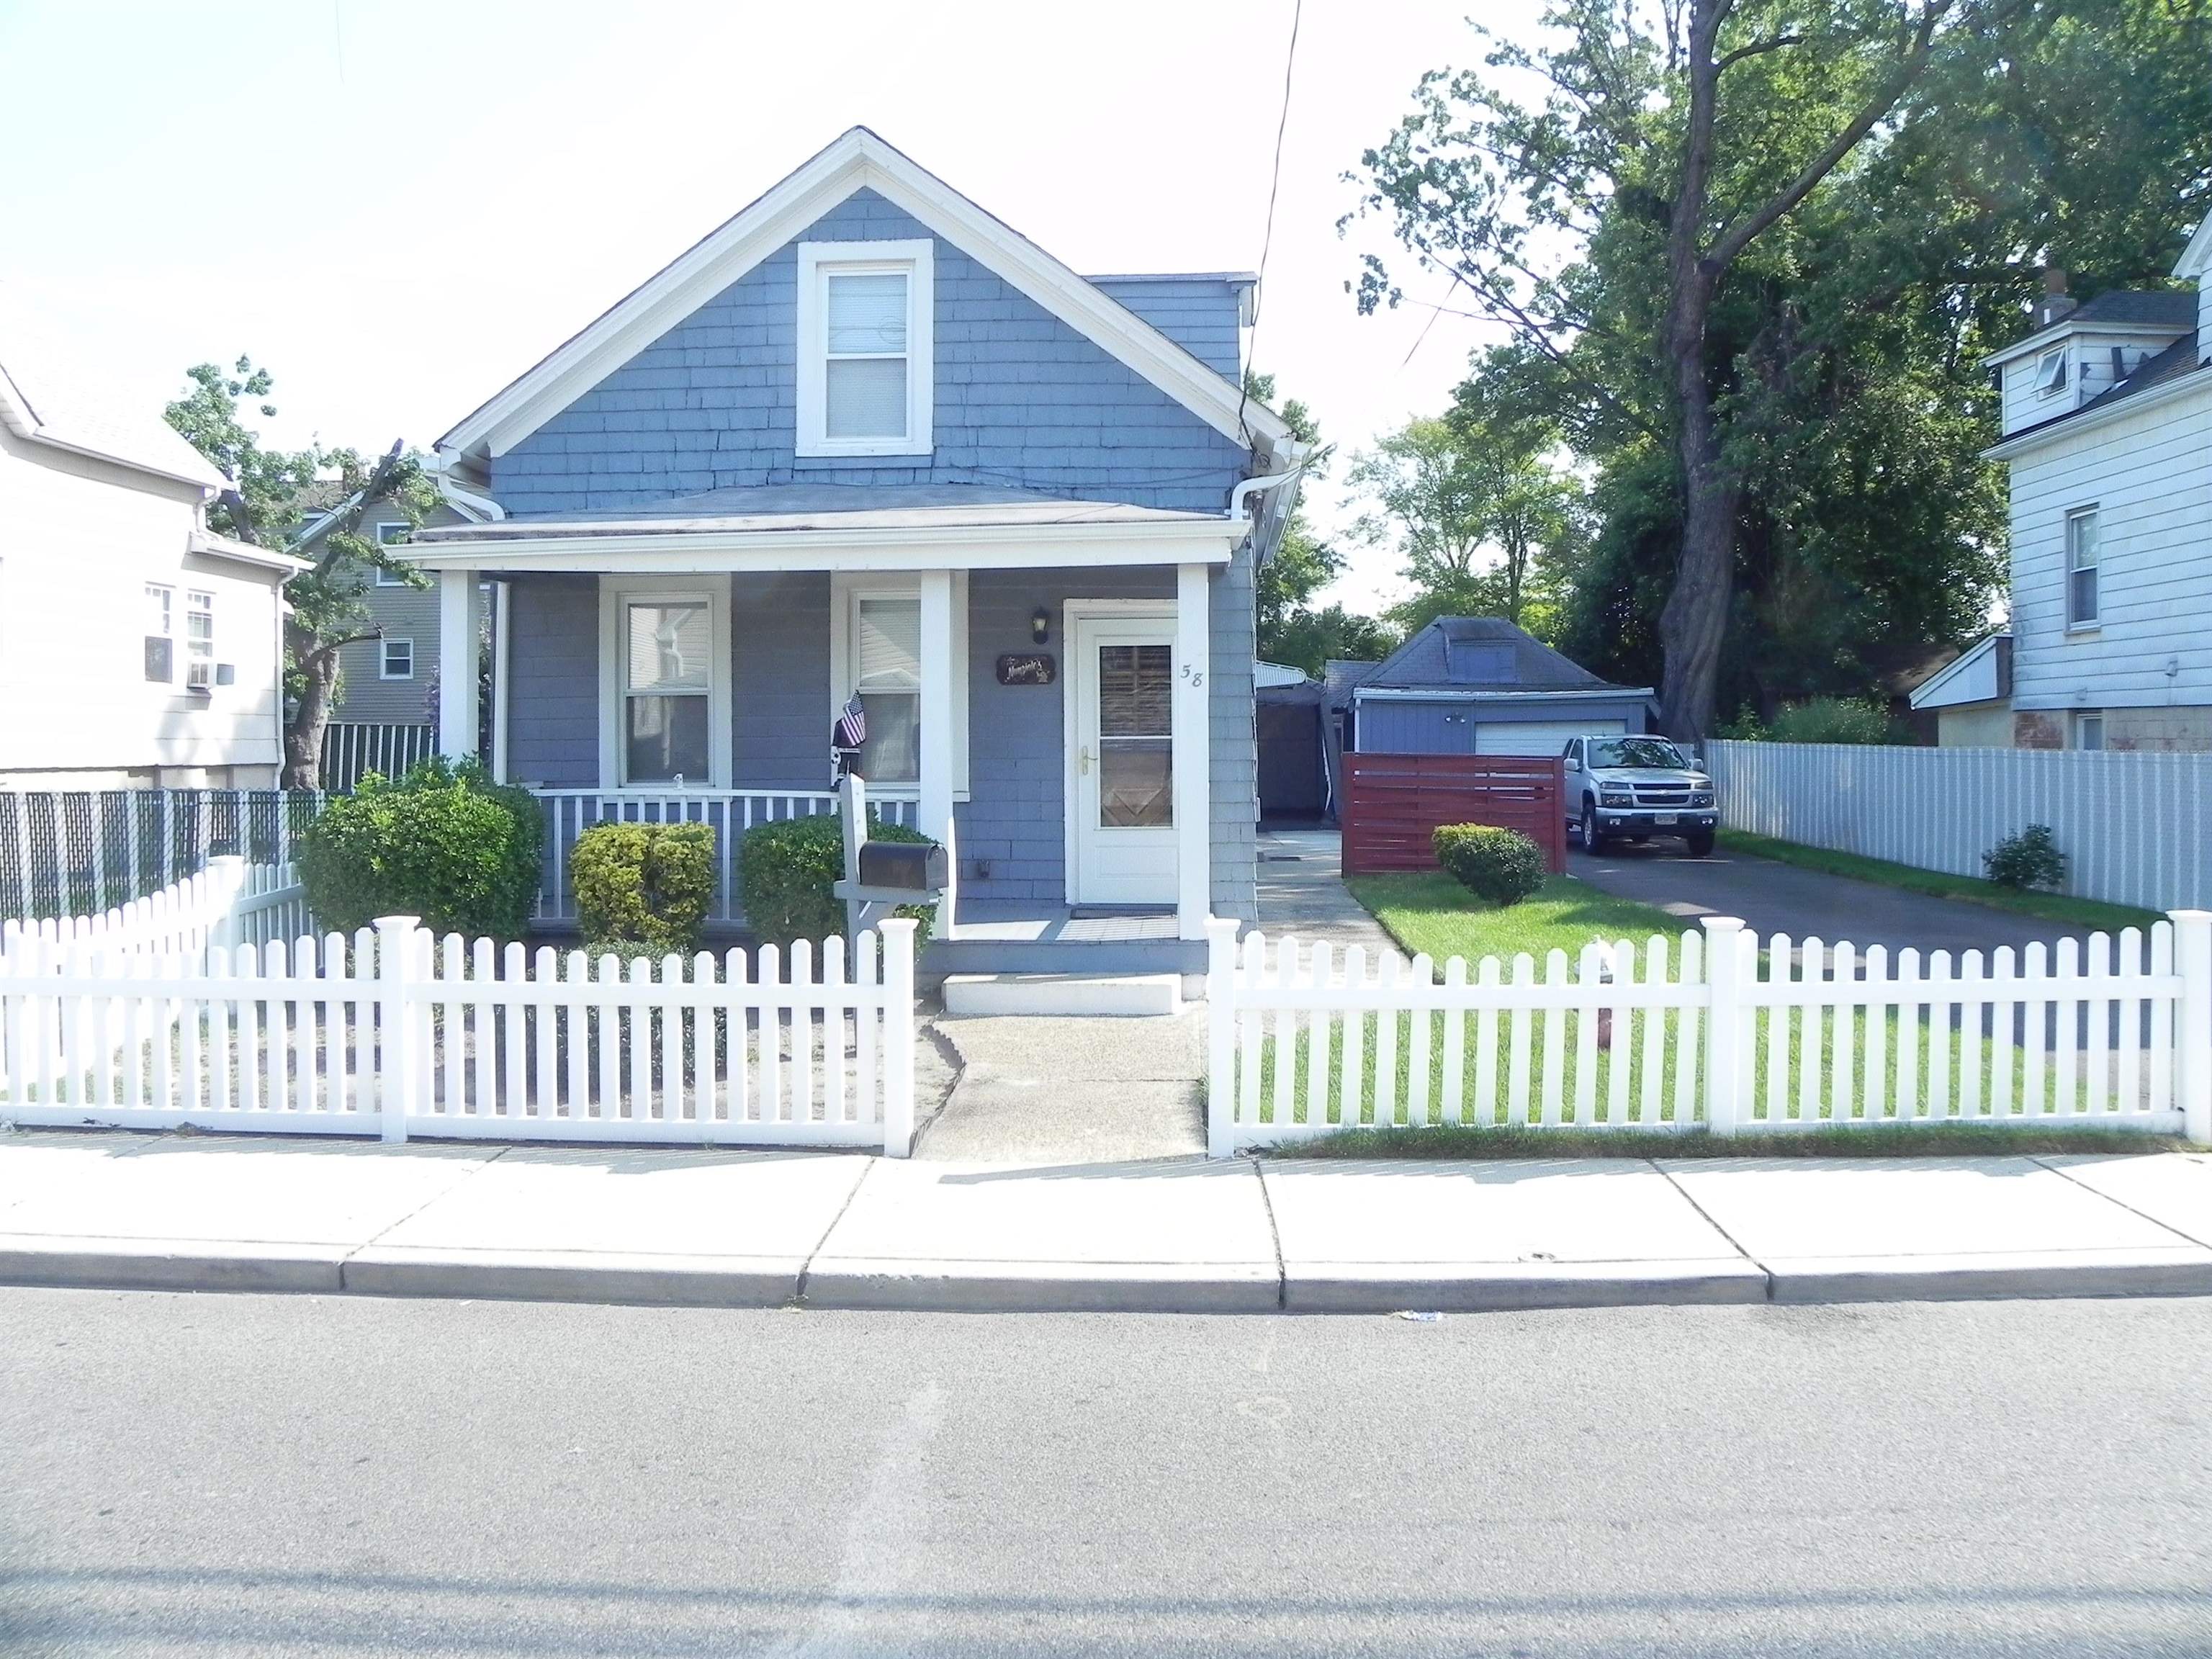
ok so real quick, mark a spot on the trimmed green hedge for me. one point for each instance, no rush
(1502, 866)
(444, 844)
(643, 889)
(788, 868)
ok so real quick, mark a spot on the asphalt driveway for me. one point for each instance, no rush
(1774, 898)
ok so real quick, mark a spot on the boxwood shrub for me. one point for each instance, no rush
(643, 889)
(788, 868)
(1502, 866)
(444, 844)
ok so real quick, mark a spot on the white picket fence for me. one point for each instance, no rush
(2135, 826)
(1690, 1033)
(229, 903)
(389, 1034)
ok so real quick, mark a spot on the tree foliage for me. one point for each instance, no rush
(1748, 254)
(328, 608)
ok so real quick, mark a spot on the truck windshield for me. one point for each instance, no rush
(1636, 751)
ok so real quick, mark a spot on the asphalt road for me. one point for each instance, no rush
(1773, 897)
(234, 1476)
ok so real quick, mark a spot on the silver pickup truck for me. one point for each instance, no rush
(1631, 788)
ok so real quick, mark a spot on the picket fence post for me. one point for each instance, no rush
(897, 934)
(2192, 1026)
(395, 1044)
(226, 886)
(1221, 1036)
(1723, 1020)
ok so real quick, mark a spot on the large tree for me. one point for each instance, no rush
(1723, 234)
(264, 507)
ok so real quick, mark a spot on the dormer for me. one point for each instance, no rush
(2075, 354)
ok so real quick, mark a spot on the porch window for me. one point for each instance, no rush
(875, 652)
(667, 679)
(866, 376)
(2081, 561)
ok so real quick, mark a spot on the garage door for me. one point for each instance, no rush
(1531, 738)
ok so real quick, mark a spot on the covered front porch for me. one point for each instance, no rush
(1041, 699)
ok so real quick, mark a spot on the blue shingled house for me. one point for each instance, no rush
(867, 439)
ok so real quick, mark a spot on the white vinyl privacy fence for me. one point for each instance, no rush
(2134, 824)
(394, 1034)
(1710, 1032)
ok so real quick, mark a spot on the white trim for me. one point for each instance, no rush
(210, 545)
(2195, 259)
(2094, 416)
(1442, 694)
(847, 589)
(614, 592)
(2092, 511)
(384, 645)
(913, 260)
(1191, 752)
(1931, 693)
(503, 672)
(457, 651)
(966, 547)
(857, 160)
(2050, 334)
(932, 813)
(2048, 383)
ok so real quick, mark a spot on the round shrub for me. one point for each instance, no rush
(2026, 860)
(444, 844)
(644, 888)
(787, 868)
(1502, 866)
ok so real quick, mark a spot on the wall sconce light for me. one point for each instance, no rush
(1040, 624)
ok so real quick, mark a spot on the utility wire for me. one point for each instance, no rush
(1274, 189)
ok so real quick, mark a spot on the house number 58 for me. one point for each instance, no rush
(1195, 676)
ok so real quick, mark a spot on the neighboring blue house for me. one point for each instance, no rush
(1478, 685)
(866, 439)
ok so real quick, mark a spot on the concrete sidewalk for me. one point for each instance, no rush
(752, 1228)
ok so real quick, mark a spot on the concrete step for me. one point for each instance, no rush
(1063, 994)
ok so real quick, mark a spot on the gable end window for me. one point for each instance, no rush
(2081, 561)
(866, 372)
(2050, 372)
(398, 660)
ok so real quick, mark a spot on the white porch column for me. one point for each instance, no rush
(456, 662)
(1191, 751)
(934, 815)
(501, 669)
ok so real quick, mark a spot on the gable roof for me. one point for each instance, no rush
(47, 399)
(1342, 675)
(859, 160)
(2116, 311)
(2195, 259)
(1482, 654)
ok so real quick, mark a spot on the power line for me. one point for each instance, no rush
(1274, 189)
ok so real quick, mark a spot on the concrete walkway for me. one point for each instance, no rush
(1070, 1091)
(1302, 892)
(753, 1229)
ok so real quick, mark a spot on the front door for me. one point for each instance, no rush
(1123, 777)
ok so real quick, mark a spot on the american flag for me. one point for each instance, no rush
(853, 723)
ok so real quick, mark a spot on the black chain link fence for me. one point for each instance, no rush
(80, 852)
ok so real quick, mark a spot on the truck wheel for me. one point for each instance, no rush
(1699, 844)
(1593, 838)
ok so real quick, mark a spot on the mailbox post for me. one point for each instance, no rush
(880, 876)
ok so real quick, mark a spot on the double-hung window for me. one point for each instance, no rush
(2081, 561)
(390, 534)
(397, 659)
(866, 377)
(161, 632)
(875, 655)
(664, 683)
(199, 639)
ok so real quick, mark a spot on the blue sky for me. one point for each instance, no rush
(398, 207)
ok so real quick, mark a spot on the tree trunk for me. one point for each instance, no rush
(303, 737)
(1695, 619)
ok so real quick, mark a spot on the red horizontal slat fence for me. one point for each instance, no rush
(1394, 803)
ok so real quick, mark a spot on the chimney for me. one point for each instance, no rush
(2055, 302)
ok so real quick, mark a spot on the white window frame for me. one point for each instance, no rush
(2050, 372)
(615, 593)
(2083, 719)
(2094, 620)
(384, 657)
(199, 671)
(846, 590)
(817, 262)
(168, 630)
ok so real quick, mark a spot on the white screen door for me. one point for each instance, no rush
(1124, 768)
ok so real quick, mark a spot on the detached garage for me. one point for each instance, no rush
(1478, 685)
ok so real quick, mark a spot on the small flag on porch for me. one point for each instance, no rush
(853, 723)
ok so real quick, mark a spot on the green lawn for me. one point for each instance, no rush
(1570, 1067)
(2047, 907)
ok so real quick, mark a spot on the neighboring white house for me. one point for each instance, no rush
(137, 648)
(2107, 432)
(1970, 696)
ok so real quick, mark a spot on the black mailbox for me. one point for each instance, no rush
(907, 866)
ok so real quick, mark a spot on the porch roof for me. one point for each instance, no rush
(815, 526)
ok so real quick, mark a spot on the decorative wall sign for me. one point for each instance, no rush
(1027, 668)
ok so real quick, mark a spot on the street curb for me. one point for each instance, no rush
(165, 1264)
(575, 1276)
(1991, 1278)
(1480, 1287)
(865, 1282)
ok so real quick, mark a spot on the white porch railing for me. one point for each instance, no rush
(569, 812)
(1675, 1034)
(384, 1035)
